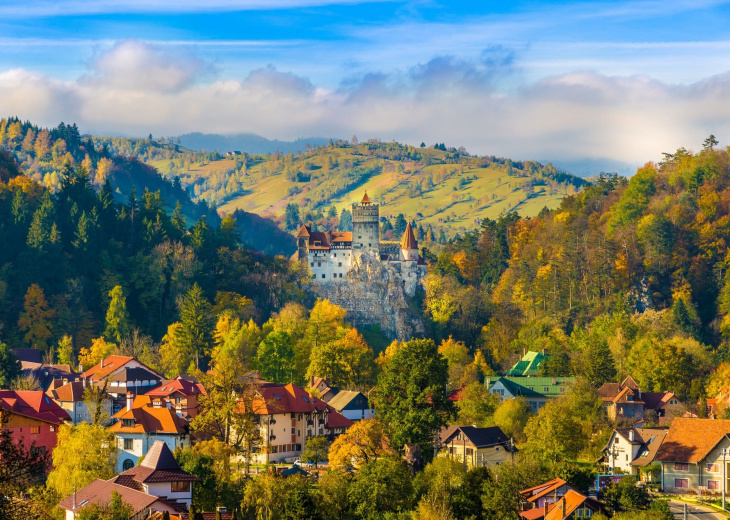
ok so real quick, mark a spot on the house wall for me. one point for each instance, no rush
(698, 474)
(20, 429)
(621, 453)
(286, 444)
(142, 443)
(356, 415)
(492, 456)
(626, 410)
(163, 489)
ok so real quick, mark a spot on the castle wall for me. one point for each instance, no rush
(375, 293)
(365, 228)
(330, 265)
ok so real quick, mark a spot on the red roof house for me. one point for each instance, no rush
(32, 417)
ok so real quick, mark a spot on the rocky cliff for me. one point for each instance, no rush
(374, 294)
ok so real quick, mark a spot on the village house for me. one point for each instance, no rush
(159, 474)
(32, 418)
(633, 451)
(537, 499)
(122, 375)
(287, 415)
(70, 397)
(180, 393)
(692, 455)
(625, 400)
(101, 491)
(476, 446)
(46, 374)
(536, 390)
(352, 404)
(142, 423)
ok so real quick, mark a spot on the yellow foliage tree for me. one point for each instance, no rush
(100, 349)
(35, 319)
(364, 442)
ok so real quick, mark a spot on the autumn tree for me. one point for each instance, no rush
(196, 326)
(99, 349)
(36, 318)
(363, 442)
(348, 361)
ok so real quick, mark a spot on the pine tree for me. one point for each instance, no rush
(39, 233)
(197, 326)
(10, 367)
(599, 367)
(19, 208)
(117, 317)
(178, 220)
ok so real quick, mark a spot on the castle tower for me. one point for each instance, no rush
(408, 245)
(302, 243)
(366, 227)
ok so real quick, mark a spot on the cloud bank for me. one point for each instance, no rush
(136, 88)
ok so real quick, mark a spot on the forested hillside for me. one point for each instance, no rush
(626, 277)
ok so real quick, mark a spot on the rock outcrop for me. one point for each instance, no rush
(374, 294)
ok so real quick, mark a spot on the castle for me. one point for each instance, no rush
(332, 255)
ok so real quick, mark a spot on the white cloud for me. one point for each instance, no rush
(136, 89)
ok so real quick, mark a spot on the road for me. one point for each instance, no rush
(695, 512)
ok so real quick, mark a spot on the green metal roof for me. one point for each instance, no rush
(545, 387)
(529, 365)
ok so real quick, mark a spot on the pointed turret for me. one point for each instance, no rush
(366, 199)
(408, 244)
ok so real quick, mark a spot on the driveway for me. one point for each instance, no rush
(695, 512)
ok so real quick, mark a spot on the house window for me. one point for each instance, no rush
(545, 389)
(682, 483)
(339, 264)
(713, 468)
(35, 429)
(584, 512)
(38, 450)
(179, 487)
(292, 431)
(319, 264)
(681, 466)
(322, 275)
(128, 444)
(53, 428)
(128, 423)
(340, 275)
(713, 484)
(127, 464)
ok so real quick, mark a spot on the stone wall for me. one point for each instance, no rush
(373, 294)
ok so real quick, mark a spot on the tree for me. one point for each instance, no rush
(21, 469)
(411, 395)
(381, 486)
(292, 217)
(95, 399)
(363, 442)
(35, 318)
(99, 349)
(117, 509)
(554, 434)
(275, 359)
(625, 496)
(117, 317)
(512, 416)
(10, 366)
(195, 318)
(65, 351)
(333, 488)
(710, 143)
(174, 354)
(83, 453)
(316, 449)
(348, 362)
(599, 367)
(476, 404)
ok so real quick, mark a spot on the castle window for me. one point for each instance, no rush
(312, 264)
(340, 275)
(339, 264)
(319, 264)
(322, 275)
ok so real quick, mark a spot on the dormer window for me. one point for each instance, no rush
(128, 423)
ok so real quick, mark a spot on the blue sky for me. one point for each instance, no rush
(566, 81)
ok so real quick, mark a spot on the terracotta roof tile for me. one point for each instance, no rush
(690, 440)
(535, 492)
(408, 242)
(169, 387)
(148, 418)
(111, 364)
(100, 492)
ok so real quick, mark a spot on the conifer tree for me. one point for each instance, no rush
(196, 329)
(35, 318)
(117, 317)
(599, 367)
(10, 367)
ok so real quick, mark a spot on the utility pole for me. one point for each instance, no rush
(685, 512)
(724, 478)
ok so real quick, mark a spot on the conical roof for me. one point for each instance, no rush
(365, 199)
(408, 242)
(159, 457)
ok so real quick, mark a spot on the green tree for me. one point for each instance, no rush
(275, 358)
(411, 395)
(117, 509)
(292, 217)
(316, 449)
(512, 416)
(196, 323)
(625, 496)
(65, 351)
(117, 317)
(476, 405)
(348, 362)
(10, 366)
(599, 367)
(381, 486)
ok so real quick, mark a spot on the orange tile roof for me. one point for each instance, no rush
(303, 231)
(148, 419)
(365, 199)
(564, 507)
(277, 399)
(408, 242)
(72, 391)
(187, 388)
(691, 439)
(536, 492)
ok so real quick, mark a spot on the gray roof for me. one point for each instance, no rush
(343, 398)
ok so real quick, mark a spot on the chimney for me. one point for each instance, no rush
(631, 435)
(81, 368)
(83, 382)
(544, 351)
(545, 508)
(102, 363)
(74, 504)
(130, 400)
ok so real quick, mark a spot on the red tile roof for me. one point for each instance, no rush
(167, 388)
(33, 404)
(277, 399)
(110, 364)
(72, 391)
(535, 492)
(159, 465)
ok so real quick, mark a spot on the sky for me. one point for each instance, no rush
(604, 84)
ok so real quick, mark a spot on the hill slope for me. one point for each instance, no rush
(250, 143)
